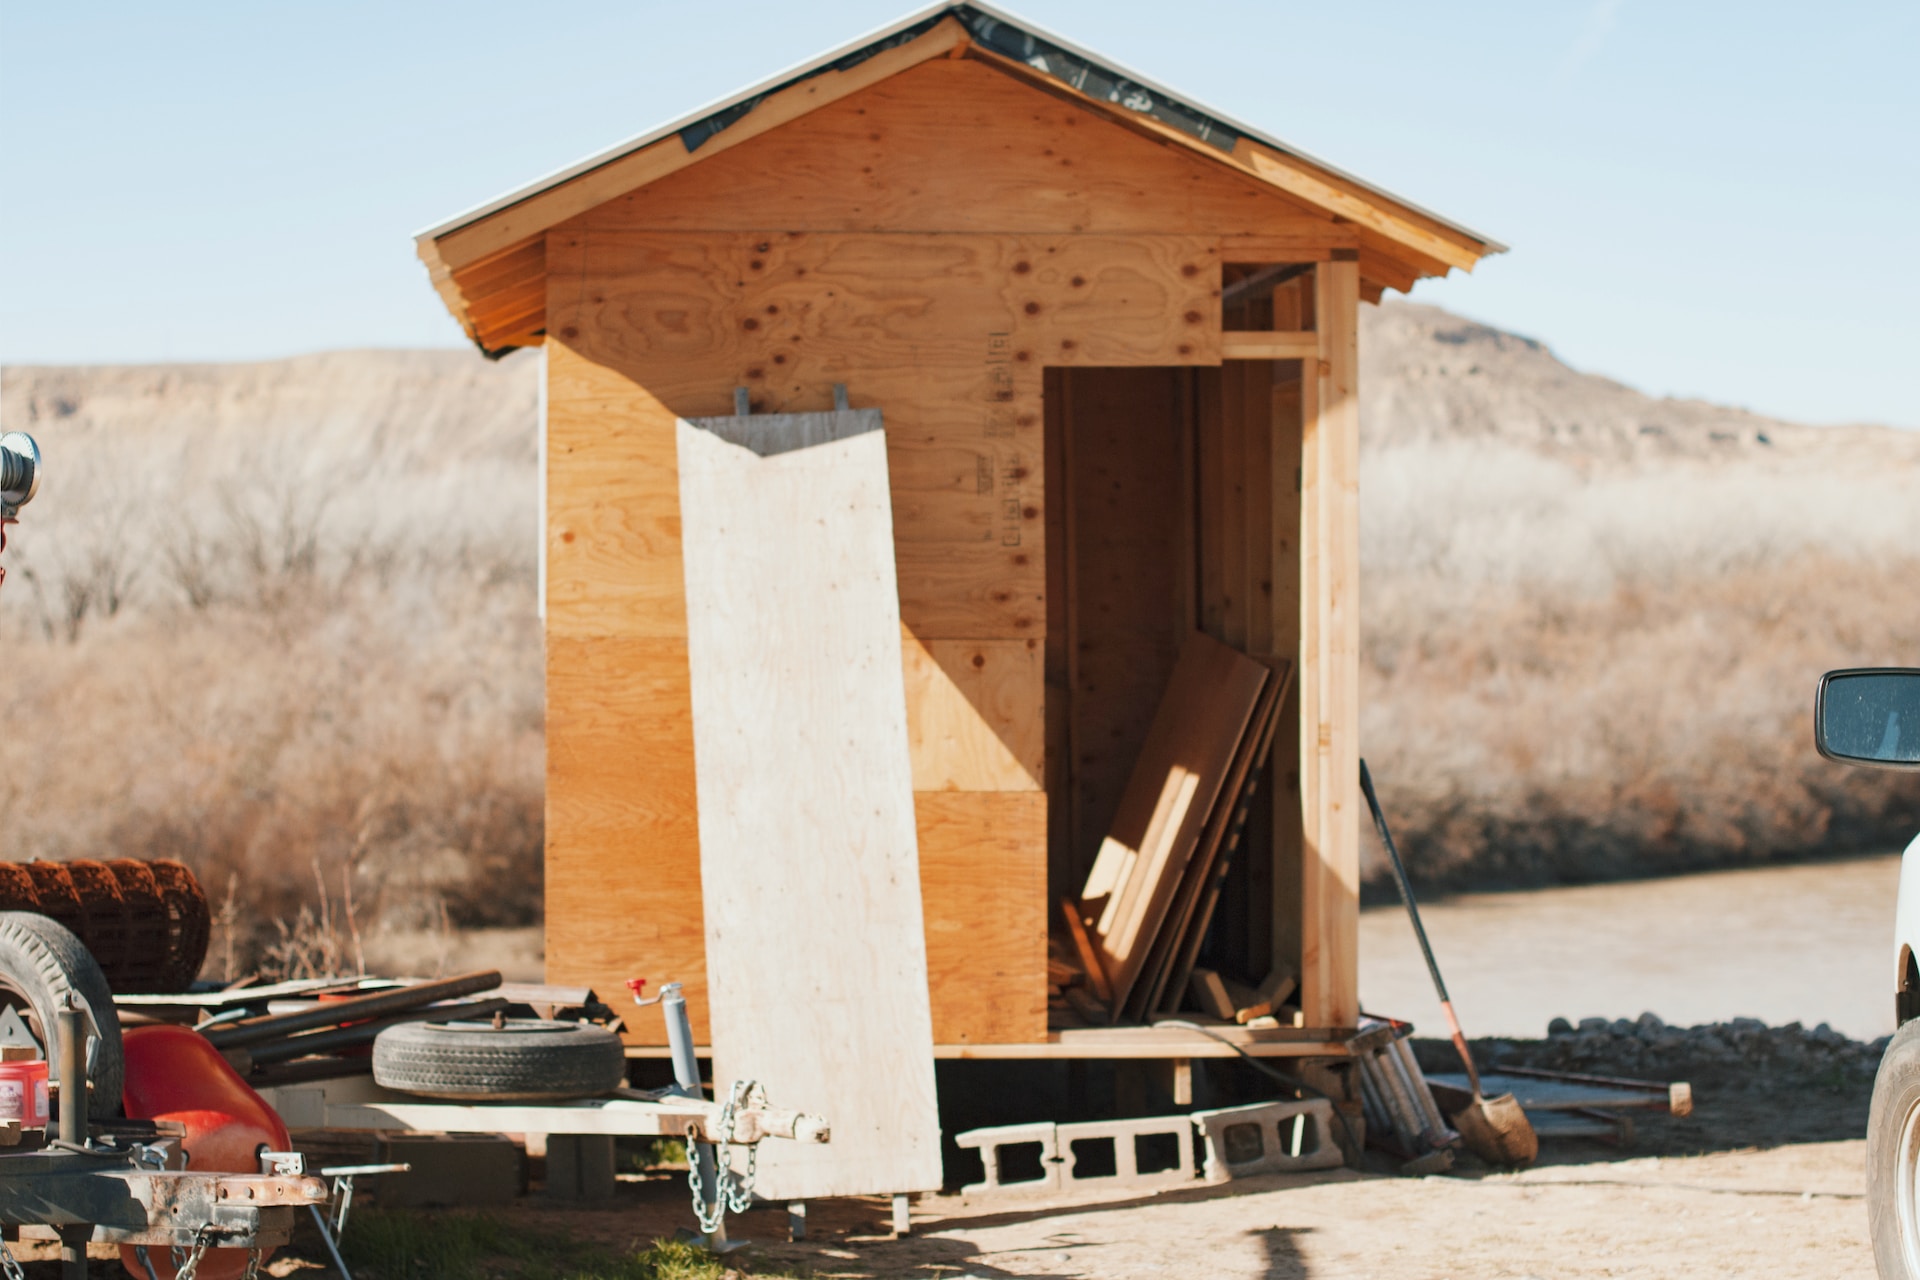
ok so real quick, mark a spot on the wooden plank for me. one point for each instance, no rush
(1209, 876)
(1268, 998)
(1312, 243)
(1235, 592)
(1263, 345)
(1257, 476)
(805, 791)
(1285, 831)
(1210, 993)
(1128, 1043)
(1090, 963)
(669, 155)
(1163, 973)
(1330, 661)
(1163, 812)
(971, 722)
(957, 146)
(1210, 465)
(983, 886)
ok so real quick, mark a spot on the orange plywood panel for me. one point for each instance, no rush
(983, 882)
(623, 851)
(959, 146)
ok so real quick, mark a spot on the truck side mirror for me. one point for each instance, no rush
(1870, 716)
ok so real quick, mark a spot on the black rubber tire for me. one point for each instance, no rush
(43, 961)
(1890, 1145)
(526, 1060)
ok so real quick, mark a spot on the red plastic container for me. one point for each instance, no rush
(23, 1093)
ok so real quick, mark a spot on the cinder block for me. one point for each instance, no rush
(1242, 1142)
(1097, 1153)
(991, 1142)
(580, 1166)
(1127, 1138)
(449, 1169)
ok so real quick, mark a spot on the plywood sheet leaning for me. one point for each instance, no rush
(1177, 944)
(1207, 875)
(816, 954)
(1163, 812)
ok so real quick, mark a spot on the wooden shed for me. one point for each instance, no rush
(1112, 333)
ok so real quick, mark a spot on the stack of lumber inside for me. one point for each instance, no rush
(1138, 925)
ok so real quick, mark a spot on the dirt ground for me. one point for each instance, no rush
(1758, 1181)
(1762, 1179)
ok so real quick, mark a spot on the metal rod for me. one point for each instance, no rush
(326, 1238)
(351, 1037)
(686, 1065)
(333, 1013)
(1263, 281)
(73, 1074)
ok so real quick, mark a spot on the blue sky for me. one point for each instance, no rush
(1712, 199)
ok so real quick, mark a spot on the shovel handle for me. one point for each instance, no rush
(1460, 1043)
(1405, 886)
(1419, 930)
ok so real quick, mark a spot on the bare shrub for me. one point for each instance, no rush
(299, 655)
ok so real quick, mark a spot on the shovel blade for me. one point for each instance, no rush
(1497, 1130)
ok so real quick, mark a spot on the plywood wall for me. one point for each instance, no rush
(934, 243)
(946, 335)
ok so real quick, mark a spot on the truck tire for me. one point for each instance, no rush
(1893, 1158)
(42, 965)
(522, 1060)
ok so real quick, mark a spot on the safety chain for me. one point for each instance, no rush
(732, 1191)
(739, 1191)
(186, 1265)
(254, 1257)
(10, 1265)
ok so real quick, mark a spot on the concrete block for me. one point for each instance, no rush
(1129, 1139)
(1242, 1142)
(1103, 1153)
(580, 1166)
(449, 1169)
(993, 1141)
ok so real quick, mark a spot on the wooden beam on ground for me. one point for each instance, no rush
(1330, 659)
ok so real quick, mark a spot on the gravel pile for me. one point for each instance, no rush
(1648, 1048)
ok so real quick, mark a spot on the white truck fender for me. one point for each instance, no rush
(1906, 926)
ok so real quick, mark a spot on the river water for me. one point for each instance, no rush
(1807, 944)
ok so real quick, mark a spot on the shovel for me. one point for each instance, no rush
(1495, 1129)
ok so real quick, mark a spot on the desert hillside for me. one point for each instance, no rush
(278, 618)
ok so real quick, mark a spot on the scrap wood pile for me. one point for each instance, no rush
(1137, 928)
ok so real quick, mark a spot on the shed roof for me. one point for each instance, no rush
(486, 264)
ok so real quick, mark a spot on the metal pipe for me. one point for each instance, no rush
(360, 1033)
(73, 1073)
(326, 1237)
(686, 1065)
(686, 1075)
(333, 1013)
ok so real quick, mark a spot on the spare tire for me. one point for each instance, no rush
(42, 965)
(521, 1060)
